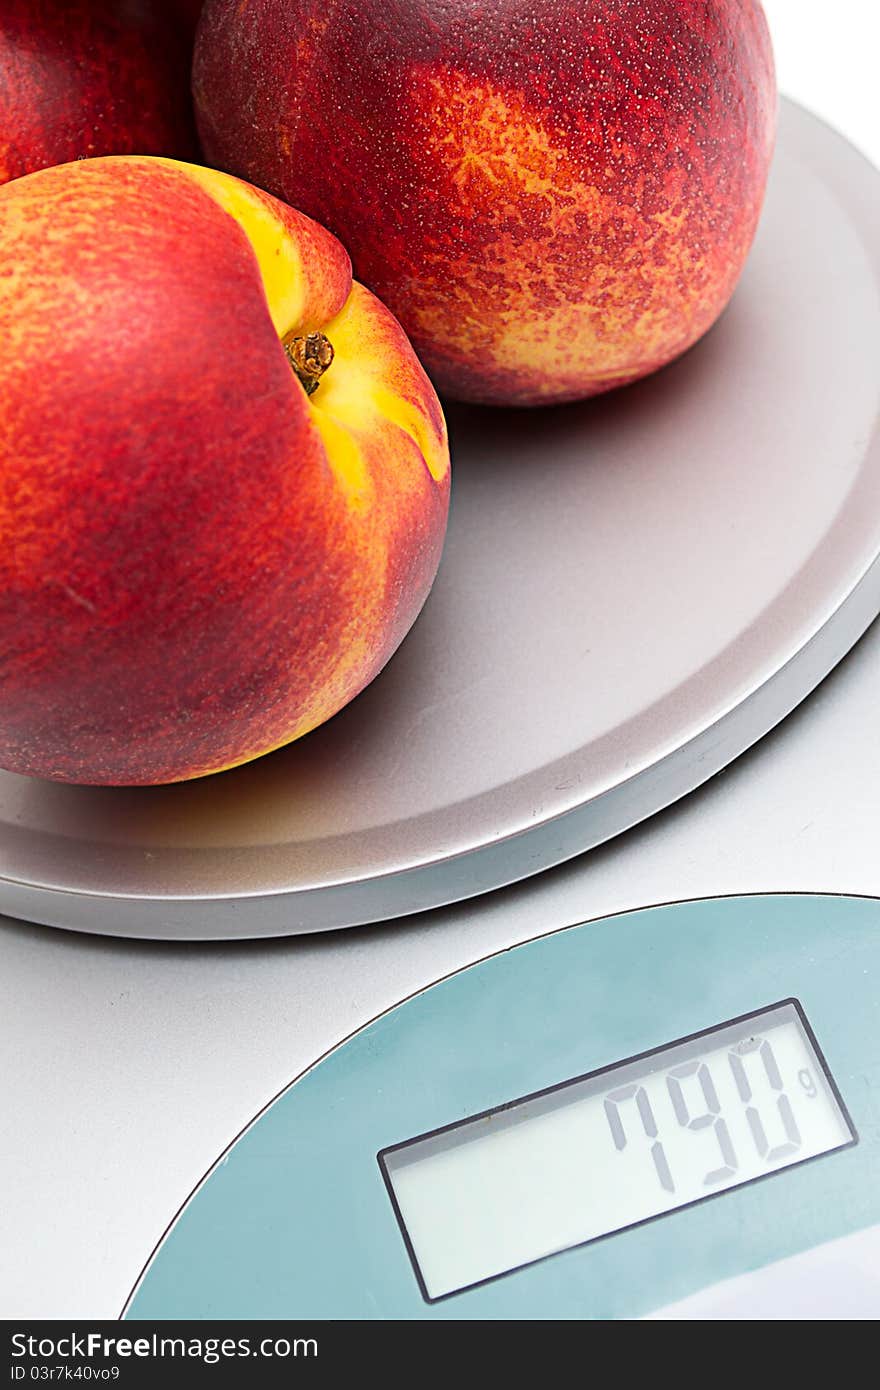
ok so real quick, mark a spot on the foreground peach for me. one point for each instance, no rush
(210, 539)
(555, 197)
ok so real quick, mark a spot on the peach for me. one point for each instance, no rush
(224, 476)
(91, 77)
(555, 197)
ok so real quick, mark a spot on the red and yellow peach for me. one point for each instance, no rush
(207, 546)
(555, 197)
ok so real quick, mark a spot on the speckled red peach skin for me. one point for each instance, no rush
(555, 197)
(190, 574)
(92, 77)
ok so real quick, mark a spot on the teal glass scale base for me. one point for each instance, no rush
(306, 1215)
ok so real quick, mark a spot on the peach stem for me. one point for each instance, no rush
(309, 356)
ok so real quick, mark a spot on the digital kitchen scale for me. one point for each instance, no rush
(403, 1177)
(635, 591)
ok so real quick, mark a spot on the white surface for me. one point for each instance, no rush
(642, 1138)
(826, 58)
(127, 1067)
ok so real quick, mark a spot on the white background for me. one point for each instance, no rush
(827, 54)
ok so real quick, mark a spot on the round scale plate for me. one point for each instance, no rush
(634, 591)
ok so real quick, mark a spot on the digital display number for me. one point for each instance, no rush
(703, 1109)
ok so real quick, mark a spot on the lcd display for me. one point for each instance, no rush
(600, 1153)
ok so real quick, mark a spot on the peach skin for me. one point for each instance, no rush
(92, 77)
(555, 197)
(224, 476)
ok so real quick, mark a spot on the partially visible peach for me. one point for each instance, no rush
(91, 77)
